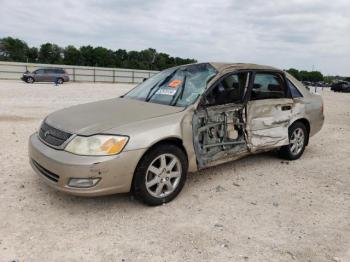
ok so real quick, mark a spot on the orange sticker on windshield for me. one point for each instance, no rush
(175, 83)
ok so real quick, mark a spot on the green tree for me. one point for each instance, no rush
(87, 57)
(71, 56)
(32, 55)
(133, 60)
(148, 58)
(50, 54)
(328, 79)
(315, 76)
(13, 49)
(162, 61)
(103, 57)
(120, 56)
(294, 72)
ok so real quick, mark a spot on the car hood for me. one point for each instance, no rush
(97, 117)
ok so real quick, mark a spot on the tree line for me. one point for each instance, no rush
(17, 50)
(311, 76)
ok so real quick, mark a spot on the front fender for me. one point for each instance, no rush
(146, 133)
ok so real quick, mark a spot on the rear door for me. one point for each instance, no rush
(268, 111)
(50, 75)
(39, 75)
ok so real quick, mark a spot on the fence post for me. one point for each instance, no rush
(73, 74)
(132, 77)
(94, 75)
(149, 74)
(113, 76)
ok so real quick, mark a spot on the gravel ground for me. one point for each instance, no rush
(259, 208)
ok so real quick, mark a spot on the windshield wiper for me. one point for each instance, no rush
(148, 97)
(182, 88)
(159, 84)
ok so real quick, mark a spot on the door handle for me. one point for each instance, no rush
(286, 108)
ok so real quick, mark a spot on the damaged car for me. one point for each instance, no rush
(181, 120)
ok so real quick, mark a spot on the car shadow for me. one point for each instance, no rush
(40, 83)
(203, 175)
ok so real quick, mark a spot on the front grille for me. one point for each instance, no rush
(48, 174)
(53, 136)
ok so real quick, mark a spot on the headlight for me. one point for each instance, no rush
(98, 145)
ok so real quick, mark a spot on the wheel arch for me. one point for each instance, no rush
(168, 140)
(60, 77)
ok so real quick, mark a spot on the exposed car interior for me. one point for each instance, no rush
(267, 86)
(218, 125)
(229, 90)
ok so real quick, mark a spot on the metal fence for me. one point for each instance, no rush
(14, 70)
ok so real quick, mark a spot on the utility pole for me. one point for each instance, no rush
(153, 60)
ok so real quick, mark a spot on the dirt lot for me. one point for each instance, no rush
(259, 208)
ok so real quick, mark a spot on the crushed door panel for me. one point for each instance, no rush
(267, 123)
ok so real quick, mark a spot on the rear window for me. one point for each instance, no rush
(304, 90)
(54, 71)
(267, 86)
(294, 90)
(58, 71)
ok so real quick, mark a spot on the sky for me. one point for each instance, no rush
(304, 34)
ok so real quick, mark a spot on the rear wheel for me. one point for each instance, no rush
(60, 81)
(298, 136)
(160, 175)
(30, 80)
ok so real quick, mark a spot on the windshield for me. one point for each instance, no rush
(179, 86)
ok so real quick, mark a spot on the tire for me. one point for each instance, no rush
(60, 81)
(160, 175)
(298, 137)
(30, 80)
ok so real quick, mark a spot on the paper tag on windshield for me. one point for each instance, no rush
(175, 83)
(166, 92)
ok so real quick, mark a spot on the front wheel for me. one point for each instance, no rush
(298, 136)
(30, 80)
(160, 175)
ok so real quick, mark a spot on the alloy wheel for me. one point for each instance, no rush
(296, 142)
(163, 175)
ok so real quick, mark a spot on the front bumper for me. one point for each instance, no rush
(56, 167)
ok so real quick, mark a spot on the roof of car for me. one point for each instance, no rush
(54, 68)
(239, 66)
